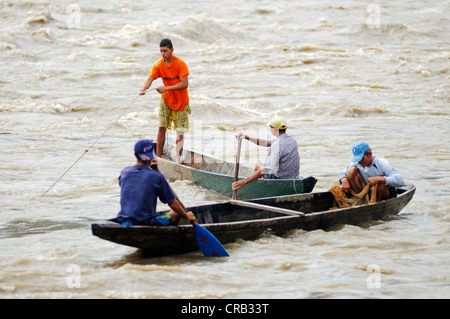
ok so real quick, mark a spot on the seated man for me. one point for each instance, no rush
(367, 169)
(283, 159)
(140, 188)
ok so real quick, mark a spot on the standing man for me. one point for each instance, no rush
(141, 186)
(283, 159)
(367, 169)
(174, 104)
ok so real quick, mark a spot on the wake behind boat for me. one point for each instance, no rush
(248, 220)
(218, 175)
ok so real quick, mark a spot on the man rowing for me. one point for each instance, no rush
(283, 159)
(141, 186)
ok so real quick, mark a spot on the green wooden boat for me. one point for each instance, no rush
(218, 175)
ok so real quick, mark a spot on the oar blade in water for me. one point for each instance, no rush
(209, 244)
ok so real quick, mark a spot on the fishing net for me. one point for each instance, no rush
(342, 199)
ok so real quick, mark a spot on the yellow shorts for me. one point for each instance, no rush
(180, 119)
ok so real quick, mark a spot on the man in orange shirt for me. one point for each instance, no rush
(174, 105)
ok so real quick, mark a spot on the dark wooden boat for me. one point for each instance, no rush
(250, 219)
(218, 175)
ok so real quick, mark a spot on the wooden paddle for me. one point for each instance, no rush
(266, 207)
(208, 243)
(236, 170)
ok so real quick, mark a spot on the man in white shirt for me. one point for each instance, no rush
(283, 159)
(367, 169)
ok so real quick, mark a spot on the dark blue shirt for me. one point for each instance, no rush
(140, 189)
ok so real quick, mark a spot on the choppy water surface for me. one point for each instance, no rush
(338, 73)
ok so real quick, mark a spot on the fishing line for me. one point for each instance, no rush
(95, 142)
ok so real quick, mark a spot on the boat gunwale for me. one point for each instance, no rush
(181, 238)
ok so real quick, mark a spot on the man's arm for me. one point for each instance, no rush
(343, 174)
(343, 180)
(177, 208)
(345, 184)
(391, 176)
(257, 141)
(258, 174)
(183, 84)
(146, 85)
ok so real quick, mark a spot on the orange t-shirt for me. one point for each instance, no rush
(172, 75)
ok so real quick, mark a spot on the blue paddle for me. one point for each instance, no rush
(209, 245)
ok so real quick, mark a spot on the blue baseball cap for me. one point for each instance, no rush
(144, 148)
(358, 151)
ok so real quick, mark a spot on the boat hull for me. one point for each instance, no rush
(229, 222)
(218, 176)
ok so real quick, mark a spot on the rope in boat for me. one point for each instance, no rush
(95, 142)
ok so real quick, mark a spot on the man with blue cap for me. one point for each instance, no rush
(367, 169)
(141, 186)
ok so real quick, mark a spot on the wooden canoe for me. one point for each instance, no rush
(248, 220)
(218, 175)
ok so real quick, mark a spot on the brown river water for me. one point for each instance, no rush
(70, 71)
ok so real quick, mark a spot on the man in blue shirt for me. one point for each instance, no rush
(141, 187)
(367, 169)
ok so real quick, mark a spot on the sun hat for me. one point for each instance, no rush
(358, 150)
(278, 122)
(144, 148)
